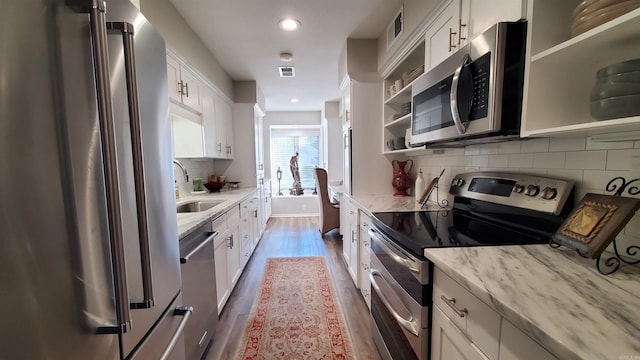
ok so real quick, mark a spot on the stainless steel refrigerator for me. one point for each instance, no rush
(89, 259)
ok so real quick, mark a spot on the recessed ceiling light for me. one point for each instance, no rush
(286, 56)
(289, 24)
(294, 100)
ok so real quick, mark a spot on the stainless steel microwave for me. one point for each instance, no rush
(475, 95)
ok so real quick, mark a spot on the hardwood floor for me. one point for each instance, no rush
(286, 237)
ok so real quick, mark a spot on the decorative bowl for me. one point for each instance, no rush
(214, 186)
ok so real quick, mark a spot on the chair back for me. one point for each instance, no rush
(321, 184)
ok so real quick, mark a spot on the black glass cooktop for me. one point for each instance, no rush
(416, 231)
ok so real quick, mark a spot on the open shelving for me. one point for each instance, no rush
(562, 70)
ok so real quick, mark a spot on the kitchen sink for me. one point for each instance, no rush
(196, 206)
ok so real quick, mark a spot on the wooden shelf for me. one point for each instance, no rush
(403, 121)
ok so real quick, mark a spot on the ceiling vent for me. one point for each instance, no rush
(286, 71)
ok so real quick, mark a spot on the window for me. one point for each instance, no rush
(285, 142)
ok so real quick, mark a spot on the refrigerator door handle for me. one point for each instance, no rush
(127, 31)
(179, 311)
(96, 10)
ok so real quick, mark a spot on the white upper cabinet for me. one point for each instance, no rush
(561, 71)
(477, 16)
(441, 38)
(462, 20)
(209, 122)
(224, 129)
(184, 86)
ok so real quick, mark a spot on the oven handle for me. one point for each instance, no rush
(410, 323)
(395, 256)
(460, 126)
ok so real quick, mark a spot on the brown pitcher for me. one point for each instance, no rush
(402, 177)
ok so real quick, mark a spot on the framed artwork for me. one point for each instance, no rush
(595, 222)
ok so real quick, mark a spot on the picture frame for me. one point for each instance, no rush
(428, 190)
(595, 223)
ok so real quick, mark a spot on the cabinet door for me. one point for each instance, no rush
(223, 287)
(514, 345)
(228, 114)
(209, 122)
(365, 245)
(233, 256)
(477, 16)
(448, 342)
(191, 89)
(221, 129)
(173, 79)
(441, 39)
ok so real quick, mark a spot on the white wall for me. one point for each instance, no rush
(333, 141)
(591, 165)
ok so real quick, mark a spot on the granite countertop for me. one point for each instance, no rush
(555, 296)
(187, 222)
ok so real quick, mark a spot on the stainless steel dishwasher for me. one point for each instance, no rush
(199, 289)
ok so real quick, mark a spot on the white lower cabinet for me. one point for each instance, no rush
(350, 243)
(516, 345)
(227, 254)
(365, 245)
(448, 342)
(464, 327)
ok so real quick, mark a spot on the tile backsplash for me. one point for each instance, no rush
(592, 165)
(196, 168)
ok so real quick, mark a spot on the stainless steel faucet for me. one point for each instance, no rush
(184, 170)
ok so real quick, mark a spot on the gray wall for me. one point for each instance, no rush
(180, 38)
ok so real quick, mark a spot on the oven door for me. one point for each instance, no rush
(400, 303)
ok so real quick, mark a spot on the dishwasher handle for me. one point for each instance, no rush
(209, 238)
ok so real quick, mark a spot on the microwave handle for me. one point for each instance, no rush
(460, 126)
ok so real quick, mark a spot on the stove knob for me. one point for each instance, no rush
(549, 193)
(518, 188)
(532, 190)
(460, 182)
(454, 181)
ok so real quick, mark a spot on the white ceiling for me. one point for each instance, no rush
(244, 36)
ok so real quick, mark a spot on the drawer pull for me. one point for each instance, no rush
(452, 304)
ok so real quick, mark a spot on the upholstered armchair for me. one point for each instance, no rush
(329, 212)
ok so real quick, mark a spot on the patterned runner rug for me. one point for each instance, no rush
(297, 314)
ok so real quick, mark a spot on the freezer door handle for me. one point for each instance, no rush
(179, 311)
(96, 10)
(127, 31)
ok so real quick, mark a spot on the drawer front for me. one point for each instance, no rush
(476, 319)
(219, 224)
(233, 216)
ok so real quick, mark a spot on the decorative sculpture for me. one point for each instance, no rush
(296, 188)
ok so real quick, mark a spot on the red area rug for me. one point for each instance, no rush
(296, 314)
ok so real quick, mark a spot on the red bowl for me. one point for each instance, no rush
(214, 186)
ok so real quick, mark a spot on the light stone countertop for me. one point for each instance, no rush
(555, 296)
(187, 222)
(388, 202)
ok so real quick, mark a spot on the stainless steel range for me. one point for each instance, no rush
(489, 209)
